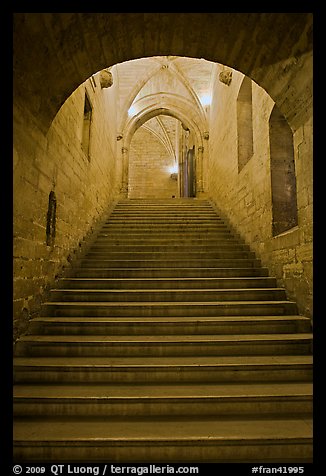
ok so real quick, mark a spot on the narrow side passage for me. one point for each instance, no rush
(170, 343)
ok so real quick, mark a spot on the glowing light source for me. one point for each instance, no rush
(205, 99)
(174, 169)
(132, 110)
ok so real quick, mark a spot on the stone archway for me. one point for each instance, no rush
(191, 121)
(273, 49)
(75, 45)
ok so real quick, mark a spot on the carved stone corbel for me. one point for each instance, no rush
(106, 78)
(225, 76)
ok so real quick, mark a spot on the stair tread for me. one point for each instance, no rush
(186, 258)
(182, 319)
(157, 268)
(153, 303)
(162, 280)
(167, 338)
(166, 291)
(101, 391)
(163, 361)
(252, 400)
(108, 429)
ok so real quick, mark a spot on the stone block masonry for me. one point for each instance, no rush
(84, 187)
(149, 168)
(245, 197)
(56, 52)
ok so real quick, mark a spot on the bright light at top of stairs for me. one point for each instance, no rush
(174, 169)
(132, 111)
(206, 99)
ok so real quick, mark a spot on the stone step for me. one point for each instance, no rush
(190, 215)
(196, 212)
(164, 220)
(167, 283)
(166, 295)
(160, 440)
(191, 201)
(165, 224)
(171, 263)
(168, 325)
(181, 272)
(171, 218)
(139, 226)
(130, 254)
(162, 400)
(166, 346)
(157, 207)
(194, 247)
(199, 211)
(157, 309)
(168, 342)
(169, 228)
(167, 236)
(159, 204)
(131, 370)
(209, 241)
(171, 239)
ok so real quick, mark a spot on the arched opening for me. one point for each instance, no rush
(87, 121)
(162, 162)
(153, 159)
(51, 219)
(46, 152)
(244, 123)
(98, 40)
(283, 176)
(169, 289)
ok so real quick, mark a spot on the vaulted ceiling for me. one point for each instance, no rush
(181, 82)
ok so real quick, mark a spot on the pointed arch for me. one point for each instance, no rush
(283, 176)
(244, 123)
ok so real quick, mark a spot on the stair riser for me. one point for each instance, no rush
(165, 263)
(178, 452)
(165, 225)
(88, 272)
(181, 328)
(167, 241)
(166, 235)
(222, 283)
(158, 349)
(213, 328)
(168, 248)
(169, 255)
(164, 210)
(157, 204)
(171, 224)
(125, 207)
(164, 220)
(176, 374)
(172, 310)
(193, 295)
(162, 217)
(167, 407)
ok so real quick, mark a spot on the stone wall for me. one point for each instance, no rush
(84, 186)
(150, 168)
(245, 196)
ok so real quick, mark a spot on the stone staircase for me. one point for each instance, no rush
(169, 343)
